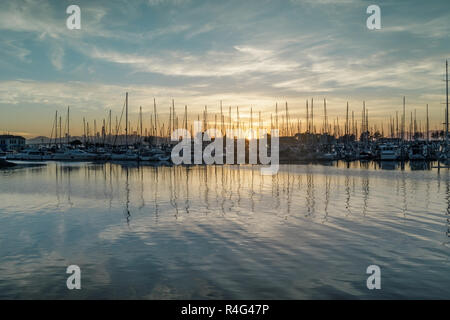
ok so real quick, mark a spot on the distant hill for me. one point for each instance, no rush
(40, 139)
(43, 139)
(119, 139)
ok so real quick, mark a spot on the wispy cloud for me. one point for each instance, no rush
(438, 27)
(238, 60)
(15, 51)
(168, 2)
(57, 55)
(326, 2)
(199, 52)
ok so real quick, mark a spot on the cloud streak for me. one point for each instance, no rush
(251, 53)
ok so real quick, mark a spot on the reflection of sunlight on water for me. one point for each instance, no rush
(223, 231)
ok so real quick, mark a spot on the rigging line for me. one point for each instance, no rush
(118, 127)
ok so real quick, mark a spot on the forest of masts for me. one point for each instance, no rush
(107, 131)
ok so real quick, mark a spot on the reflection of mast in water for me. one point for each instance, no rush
(405, 203)
(230, 184)
(347, 192)
(127, 202)
(365, 189)
(252, 192)
(238, 171)
(205, 174)
(216, 189)
(173, 196)
(261, 184)
(69, 187)
(276, 193)
(327, 196)
(447, 198)
(186, 203)
(105, 188)
(58, 201)
(110, 186)
(300, 181)
(364, 164)
(223, 184)
(155, 196)
(288, 204)
(397, 187)
(141, 170)
(310, 201)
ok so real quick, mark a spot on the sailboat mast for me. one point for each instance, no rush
(404, 119)
(363, 120)
(230, 123)
(251, 122)
(185, 118)
(68, 124)
(221, 118)
(287, 120)
(307, 117)
(140, 123)
(60, 132)
(259, 120)
(346, 122)
(155, 115)
(428, 126)
(446, 102)
(276, 116)
(173, 116)
(84, 131)
(110, 126)
(56, 127)
(126, 120)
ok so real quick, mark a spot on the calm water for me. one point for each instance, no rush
(223, 232)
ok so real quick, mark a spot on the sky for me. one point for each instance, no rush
(250, 54)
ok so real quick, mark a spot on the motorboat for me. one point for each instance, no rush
(389, 152)
(26, 155)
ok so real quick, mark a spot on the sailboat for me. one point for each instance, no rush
(125, 154)
(445, 151)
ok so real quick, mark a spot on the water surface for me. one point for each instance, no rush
(211, 232)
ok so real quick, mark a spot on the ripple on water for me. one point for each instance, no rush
(223, 232)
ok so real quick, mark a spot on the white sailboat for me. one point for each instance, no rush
(445, 150)
(73, 155)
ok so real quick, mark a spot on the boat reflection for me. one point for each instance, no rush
(296, 190)
(222, 231)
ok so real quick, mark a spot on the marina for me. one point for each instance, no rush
(216, 157)
(369, 143)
